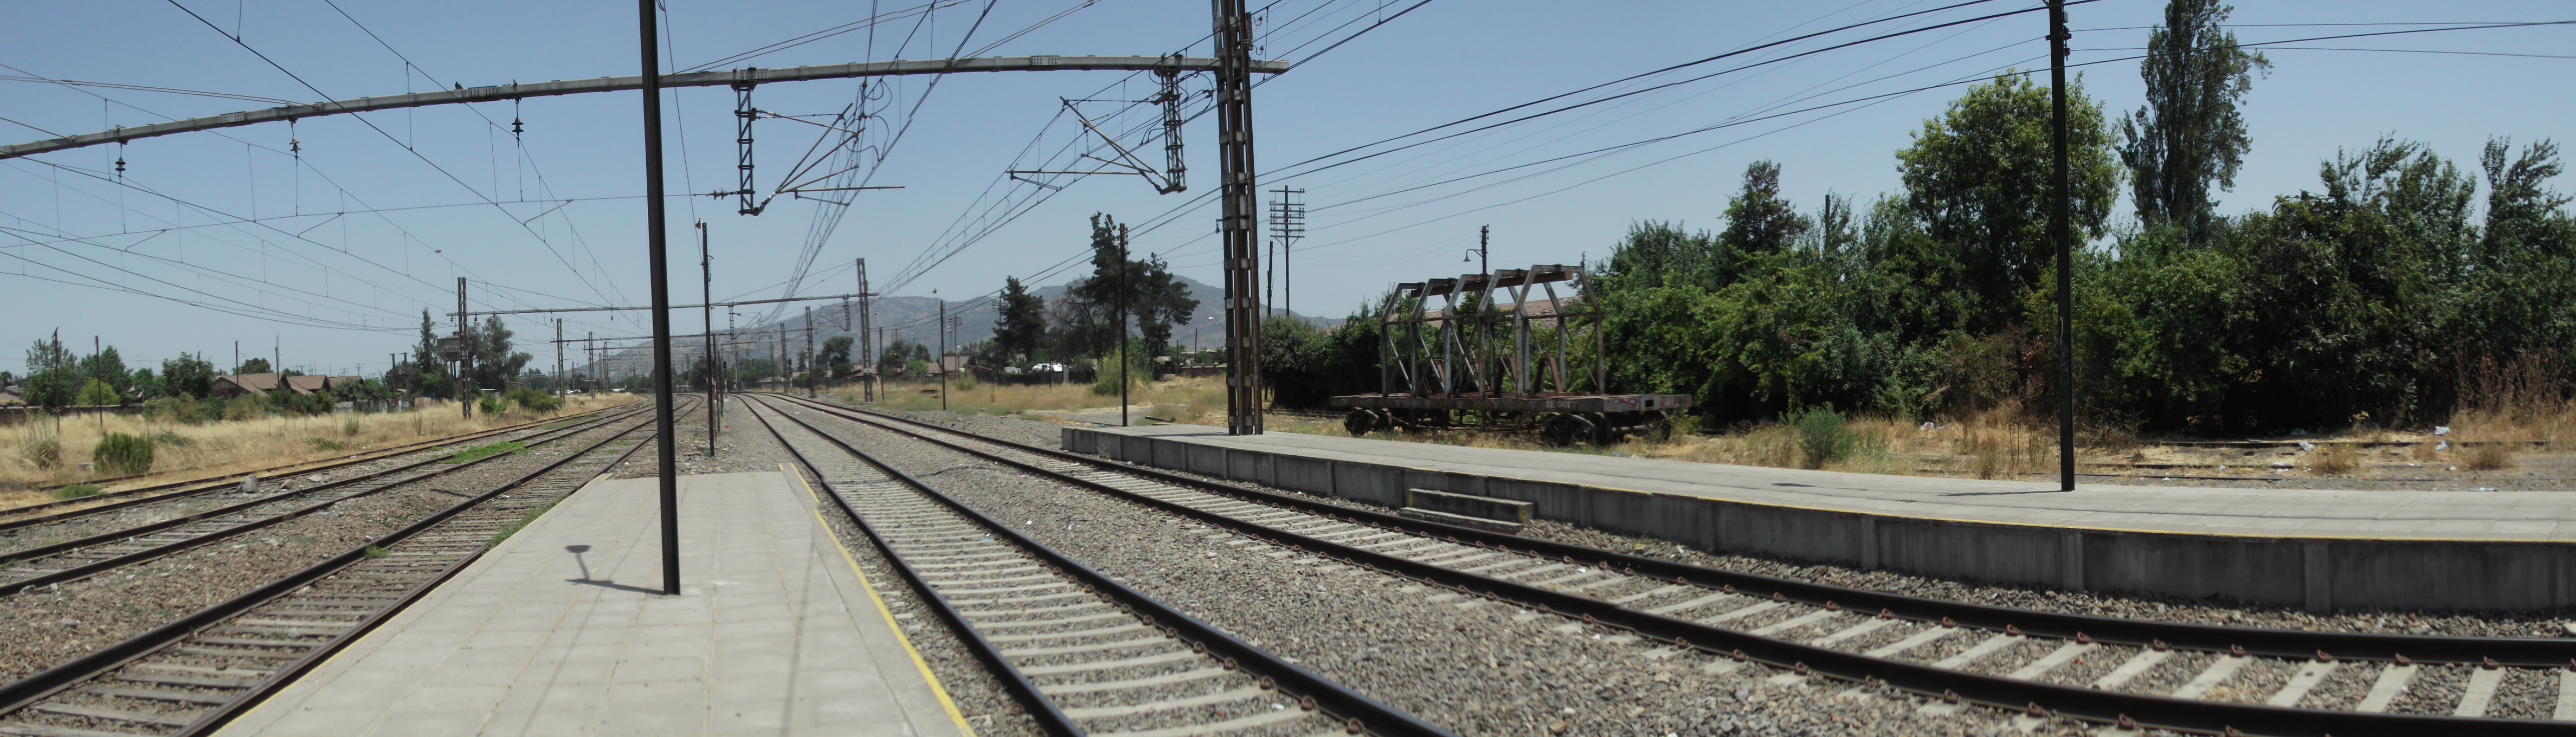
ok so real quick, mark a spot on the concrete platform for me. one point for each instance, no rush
(561, 631)
(2319, 549)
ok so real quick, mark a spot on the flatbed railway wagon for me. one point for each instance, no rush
(1494, 356)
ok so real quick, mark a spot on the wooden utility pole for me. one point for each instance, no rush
(2058, 236)
(707, 301)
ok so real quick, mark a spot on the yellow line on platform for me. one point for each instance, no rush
(924, 665)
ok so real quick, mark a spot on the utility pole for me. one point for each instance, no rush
(1287, 224)
(2057, 235)
(1234, 146)
(465, 361)
(657, 242)
(707, 283)
(867, 319)
(559, 377)
(943, 352)
(590, 358)
(1125, 293)
(810, 373)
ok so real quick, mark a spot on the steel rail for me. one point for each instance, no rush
(26, 691)
(2038, 699)
(288, 469)
(93, 568)
(728, 78)
(1331, 697)
(220, 483)
(2528, 652)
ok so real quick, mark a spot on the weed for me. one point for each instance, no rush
(351, 427)
(45, 453)
(326, 445)
(373, 552)
(486, 451)
(1823, 436)
(172, 439)
(2336, 461)
(78, 491)
(513, 528)
(2487, 456)
(122, 453)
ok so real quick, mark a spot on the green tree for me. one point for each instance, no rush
(2189, 136)
(109, 367)
(1758, 220)
(98, 394)
(53, 378)
(253, 366)
(494, 362)
(1021, 327)
(1978, 178)
(836, 355)
(189, 375)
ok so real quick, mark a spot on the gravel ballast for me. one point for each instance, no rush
(1476, 666)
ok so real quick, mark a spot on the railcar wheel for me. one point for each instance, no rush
(1360, 422)
(1565, 429)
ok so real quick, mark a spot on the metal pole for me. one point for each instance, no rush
(465, 366)
(943, 353)
(559, 377)
(657, 240)
(810, 373)
(1123, 285)
(707, 285)
(867, 320)
(2057, 234)
(1233, 38)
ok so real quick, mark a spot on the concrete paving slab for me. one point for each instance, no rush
(561, 630)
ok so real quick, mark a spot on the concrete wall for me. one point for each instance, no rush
(2318, 574)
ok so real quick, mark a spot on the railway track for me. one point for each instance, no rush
(60, 509)
(1081, 652)
(190, 676)
(2130, 673)
(59, 562)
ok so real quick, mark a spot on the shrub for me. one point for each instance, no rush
(492, 404)
(324, 444)
(350, 426)
(248, 407)
(78, 491)
(44, 452)
(170, 439)
(2336, 461)
(965, 381)
(123, 453)
(533, 400)
(1823, 436)
(189, 410)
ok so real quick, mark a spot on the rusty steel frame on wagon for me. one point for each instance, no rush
(1480, 359)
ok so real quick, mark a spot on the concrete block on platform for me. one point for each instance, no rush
(2436, 550)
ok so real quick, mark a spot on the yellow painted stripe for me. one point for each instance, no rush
(924, 666)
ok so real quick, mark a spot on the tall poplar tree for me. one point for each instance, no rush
(2189, 137)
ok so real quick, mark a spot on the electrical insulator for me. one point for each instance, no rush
(515, 130)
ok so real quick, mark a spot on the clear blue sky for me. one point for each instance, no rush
(339, 293)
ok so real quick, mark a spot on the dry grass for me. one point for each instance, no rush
(2494, 455)
(186, 451)
(2339, 460)
(1199, 401)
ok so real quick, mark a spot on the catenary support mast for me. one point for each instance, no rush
(1238, 193)
(657, 240)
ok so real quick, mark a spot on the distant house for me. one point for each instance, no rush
(9, 395)
(229, 386)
